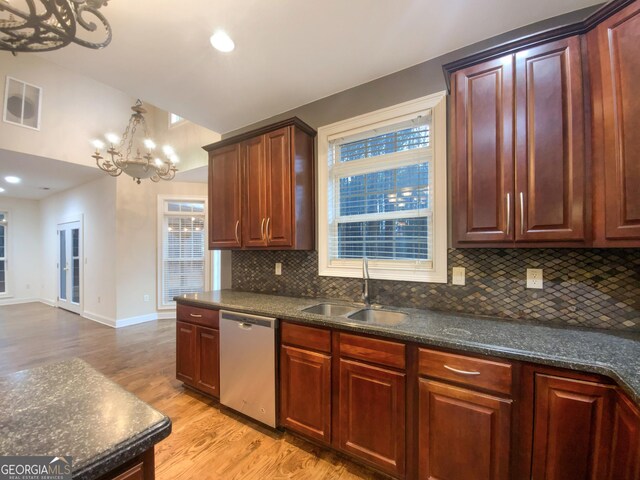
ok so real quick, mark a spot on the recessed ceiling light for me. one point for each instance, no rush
(222, 42)
(1, 189)
(11, 179)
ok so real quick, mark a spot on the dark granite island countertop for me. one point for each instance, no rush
(604, 352)
(70, 409)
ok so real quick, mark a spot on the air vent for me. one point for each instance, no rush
(22, 103)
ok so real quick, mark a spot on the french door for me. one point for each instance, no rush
(70, 266)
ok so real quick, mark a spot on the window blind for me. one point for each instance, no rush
(3, 252)
(184, 248)
(381, 194)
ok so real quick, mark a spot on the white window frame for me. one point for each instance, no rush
(7, 254)
(6, 100)
(386, 269)
(162, 199)
(182, 120)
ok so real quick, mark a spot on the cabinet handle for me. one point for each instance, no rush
(268, 233)
(521, 213)
(262, 229)
(195, 315)
(237, 225)
(508, 213)
(461, 372)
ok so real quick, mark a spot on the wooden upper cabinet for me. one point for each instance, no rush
(614, 56)
(483, 153)
(255, 207)
(550, 159)
(276, 184)
(572, 428)
(225, 198)
(280, 198)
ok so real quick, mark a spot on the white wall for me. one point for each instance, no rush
(96, 202)
(75, 109)
(137, 241)
(24, 243)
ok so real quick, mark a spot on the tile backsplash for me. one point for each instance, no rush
(594, 288)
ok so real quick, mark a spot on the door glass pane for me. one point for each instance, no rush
(63, 265)
(75, 274)
(3, 285)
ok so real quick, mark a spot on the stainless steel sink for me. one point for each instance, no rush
(330, 309)
(379, 317)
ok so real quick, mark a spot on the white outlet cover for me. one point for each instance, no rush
(458, 276)
(534, 278)
(278, 269)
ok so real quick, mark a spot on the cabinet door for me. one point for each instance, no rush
(371, 410)
(278, 180)
(186, 356)
(305, 392)
(225, 208)
(208, 360)
(483, 153)
(462, 434)
(550, 159)
(624, 461)
(255, 212)
(571, 428)
(618, 39)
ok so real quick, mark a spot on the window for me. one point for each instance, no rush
(175, 120)
(3, 253)
(184, 260)
(382, 184)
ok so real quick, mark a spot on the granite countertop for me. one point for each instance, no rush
(70, 409)
(616, 355)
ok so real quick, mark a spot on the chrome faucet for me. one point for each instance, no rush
(365, 285)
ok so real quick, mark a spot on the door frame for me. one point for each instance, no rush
(62, 221)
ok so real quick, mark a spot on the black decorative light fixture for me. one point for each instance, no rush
(44, 25)
(126, 155)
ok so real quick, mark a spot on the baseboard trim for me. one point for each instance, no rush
(127, 322)
(18, 301)
(46, 301)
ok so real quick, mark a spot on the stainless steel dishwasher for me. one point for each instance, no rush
(248, 365)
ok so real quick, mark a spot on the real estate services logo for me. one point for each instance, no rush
(35, 468)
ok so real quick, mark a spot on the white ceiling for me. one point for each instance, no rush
(288, 52)
(39, 174)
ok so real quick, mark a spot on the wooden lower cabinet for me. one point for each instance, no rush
(305, 392)
(371, 424)
(208, 355)
(624, 461)
(463, 434)
(186, 352)
(140, 468)
(198, 357)
(571, 428)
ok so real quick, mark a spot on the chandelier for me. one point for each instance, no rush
(125, 155)
(46, 25)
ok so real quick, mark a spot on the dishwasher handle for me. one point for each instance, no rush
(245, 326)
(248, 320)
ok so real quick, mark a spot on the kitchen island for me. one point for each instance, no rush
(70, 409)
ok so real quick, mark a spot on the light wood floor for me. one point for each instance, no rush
(207, 442)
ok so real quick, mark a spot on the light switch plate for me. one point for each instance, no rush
(534, 278)
(278, 269)
(458, 275)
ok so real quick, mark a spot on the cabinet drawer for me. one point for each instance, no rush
(200, 316)
(134, 473)
(373, 350)
(476, 372)
(309, 337)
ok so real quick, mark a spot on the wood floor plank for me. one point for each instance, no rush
(208, 441)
